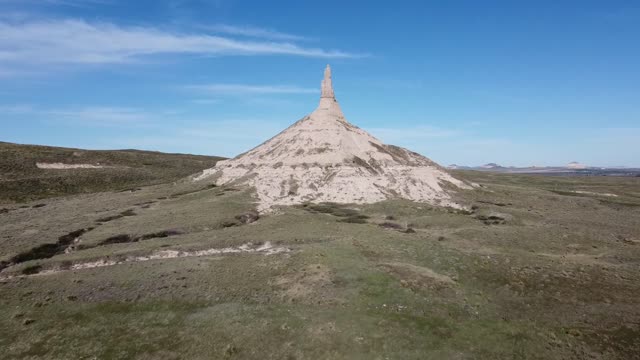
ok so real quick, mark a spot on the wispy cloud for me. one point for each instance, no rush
(205, 101)
(241, 89)
(16, 109)
(253, 129)
(251, 31)
(413, 133)
(73, 3)
(213, 137)
(71, 41)
(88, 115)
(103, 116)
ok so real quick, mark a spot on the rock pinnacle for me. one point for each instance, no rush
(327, 87)
(328, 109)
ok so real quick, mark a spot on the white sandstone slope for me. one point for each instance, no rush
(324, 158)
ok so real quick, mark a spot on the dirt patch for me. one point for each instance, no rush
(417, 277)
(312, 284)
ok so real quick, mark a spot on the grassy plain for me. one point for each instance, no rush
(541, 268)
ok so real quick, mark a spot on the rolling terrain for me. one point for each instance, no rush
(539, 268)
(24, 174)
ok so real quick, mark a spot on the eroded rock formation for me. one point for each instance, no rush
(324, 158)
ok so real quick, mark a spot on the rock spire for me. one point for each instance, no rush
(328, 108)
(326, 86)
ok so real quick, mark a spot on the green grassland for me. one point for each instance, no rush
(535, 270)
(21, 180)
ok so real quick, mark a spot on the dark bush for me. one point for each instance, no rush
(161, 234)
(355, 219)
(30, 270)
(118, 239)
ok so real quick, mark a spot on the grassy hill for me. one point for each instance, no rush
(21, 180)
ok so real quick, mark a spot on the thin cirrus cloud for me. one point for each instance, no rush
(220, 137)
(240, 89)
(251, 31)
(71, 3)
(416, 133)
(88, 115)
(99, 115)
(73, 42)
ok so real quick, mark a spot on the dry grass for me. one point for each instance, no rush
(557, 278)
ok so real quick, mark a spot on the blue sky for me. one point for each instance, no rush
(465, 82)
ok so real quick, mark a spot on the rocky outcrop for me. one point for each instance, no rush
(326, 86)
(324, 158)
